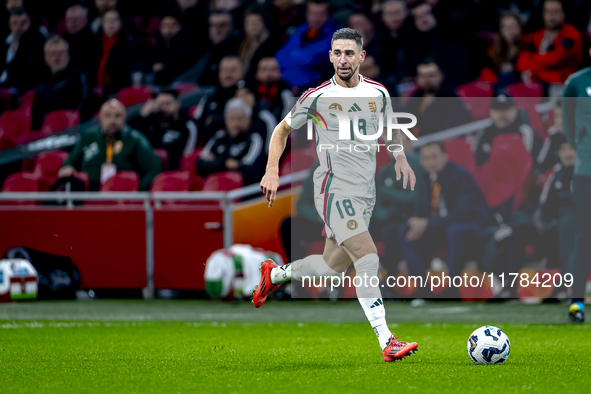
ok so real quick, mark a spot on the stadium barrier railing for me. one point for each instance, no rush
(152, 201)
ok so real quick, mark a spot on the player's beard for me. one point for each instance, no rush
(347, 77)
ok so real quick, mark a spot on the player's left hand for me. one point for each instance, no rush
(403, 170)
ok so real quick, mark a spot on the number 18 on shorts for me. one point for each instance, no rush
(343, 216)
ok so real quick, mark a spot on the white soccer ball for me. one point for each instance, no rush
(488, 345)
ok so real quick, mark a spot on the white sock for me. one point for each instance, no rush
(370, 297)
(281, 274)
(312, 266)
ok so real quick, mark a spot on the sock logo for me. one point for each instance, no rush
(377, 303)
(376, 331)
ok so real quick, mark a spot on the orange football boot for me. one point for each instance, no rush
(259, 295)
(397, 350)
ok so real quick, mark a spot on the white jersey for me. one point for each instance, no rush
(347, 166)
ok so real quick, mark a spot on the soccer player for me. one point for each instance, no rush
(344, 183)
(576, 115)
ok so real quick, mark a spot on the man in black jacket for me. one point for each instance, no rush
(64, 88)
(450, 213)
(236, 148)
(80, 37)
(435, 103)
(174, 51)
(161, 121)
(21, 53)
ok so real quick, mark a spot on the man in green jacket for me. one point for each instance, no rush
(576, 114)
(112, 147)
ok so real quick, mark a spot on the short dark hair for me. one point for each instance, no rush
(19, 11)
(428, 60)
(347, 33)
(437, 143)
(168, 90)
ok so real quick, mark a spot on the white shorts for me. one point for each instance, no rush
(343, 216)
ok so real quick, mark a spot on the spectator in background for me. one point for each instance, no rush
(78, 34)
(303, 58)
(162, 122)
(222, 41)
(287, 17)
(549, 153)
(65, 87)
(445, 44)
(193, 17)
(116, 53)
(451, 213)
(102, 6)
(435, 103)
(235, 148)
(258, 42)
(174, 51)
(112, 147)
(272, 92)
(556, 217)
(507, 119)
(210, 111)
(504, 53)
(372, 44)
(553, 53)
(394, 16)
(394, 206)
(21, 57)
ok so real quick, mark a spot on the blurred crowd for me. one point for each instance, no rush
(65, 55)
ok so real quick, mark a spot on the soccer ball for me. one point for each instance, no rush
(488, 345)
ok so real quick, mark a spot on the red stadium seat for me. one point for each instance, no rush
(527, 96)
(507, 173)
(162, 154)
(302, 159)
(458, 150)
(27, 100)
(134, 95)
(122, 181)
(47, 165)
(59, 120)
(20, 182)
(189, 163)
(14, 126)
(285, 168)
(223, 181)
(383, 157)
(477, 96)
(171, 181)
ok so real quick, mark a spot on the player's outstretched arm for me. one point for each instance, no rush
(402, 167)
(270, 181)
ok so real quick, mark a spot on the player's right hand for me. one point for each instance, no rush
(269, 186)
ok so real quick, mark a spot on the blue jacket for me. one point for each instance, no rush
(305, 64)
(463, 199)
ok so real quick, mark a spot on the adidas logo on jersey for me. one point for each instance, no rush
(377, 303)
(355, 108)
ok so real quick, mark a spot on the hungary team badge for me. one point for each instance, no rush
(352, 224)
(335, 107)
(373, 107)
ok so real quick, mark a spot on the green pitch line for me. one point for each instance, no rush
(308, 311)
(215, 357)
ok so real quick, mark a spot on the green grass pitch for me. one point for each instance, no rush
(189, 347)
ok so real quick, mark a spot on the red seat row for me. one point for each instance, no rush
(15, 126)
